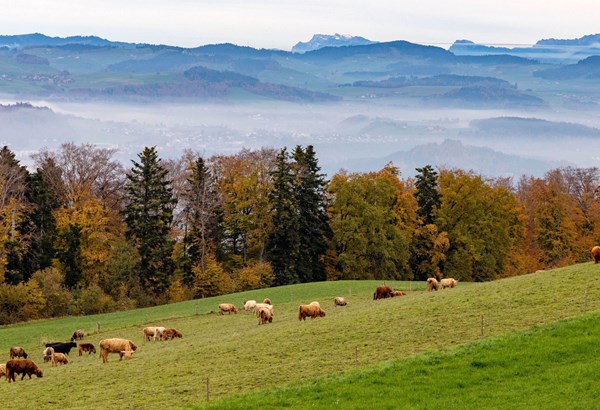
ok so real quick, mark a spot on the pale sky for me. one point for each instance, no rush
(282, 23)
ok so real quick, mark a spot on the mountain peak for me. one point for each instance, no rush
(328, 40)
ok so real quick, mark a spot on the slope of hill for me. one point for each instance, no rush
(587, 69)
(232, 350)
(324, 40)
(532, 128)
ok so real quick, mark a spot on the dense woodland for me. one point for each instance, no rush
(82, 234)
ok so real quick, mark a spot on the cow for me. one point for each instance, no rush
(21, 366)
(339, 301)
(78, 334)
(382, 292)
(260, 306)
(149, 333)
(397, 293)
(158, 333)
(265, 315)
(227, 307)
(249, 305)
(170, 334)
(267, 301)
(62, 347)
(59, 358)
(596, 254)
(48, 352)
(116, 345)
(310, 310)
(17, 351)
(86, 347)
(448, 283)
(3, 370)
(432, 284)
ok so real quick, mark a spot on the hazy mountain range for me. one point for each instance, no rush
(499, 110)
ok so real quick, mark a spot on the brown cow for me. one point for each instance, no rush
(170, 334)
(115, 345)
(596, 254)
(398, 293)
(3, 370)
(432, 284)
(267, 301)
(382, 292)
(448, 283)
(227, 307)
(21, 366)
(78, 334)
(311, 310)
(86, 347)
(17, 351)
(59, 358)
(48, 352)
(265, 315)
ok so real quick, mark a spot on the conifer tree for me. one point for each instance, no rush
(283, 241)
(148, 215)
(427, 194)
(313, 223)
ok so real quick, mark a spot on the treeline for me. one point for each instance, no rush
(81, 234)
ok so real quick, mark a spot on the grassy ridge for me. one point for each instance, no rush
(550, 367)
(238, 356)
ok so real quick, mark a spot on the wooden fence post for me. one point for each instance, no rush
(207, 390)
(481, 326)
(356, 356)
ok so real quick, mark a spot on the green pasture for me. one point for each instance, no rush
(239, 356)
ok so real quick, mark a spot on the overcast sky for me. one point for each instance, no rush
(282, 23)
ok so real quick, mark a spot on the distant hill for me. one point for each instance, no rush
(28, 40)
(589, 40)
(484, 95)
(438, 80)
(532, 128)
(453, 154)
(588, 69)
(324, 40)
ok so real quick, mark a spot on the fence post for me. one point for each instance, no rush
(481, 326)
(585, 301)
(98, 327)
(207, 390)
(356, 356)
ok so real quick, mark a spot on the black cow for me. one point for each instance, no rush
(62, 347)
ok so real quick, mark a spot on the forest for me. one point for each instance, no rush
(83, 234)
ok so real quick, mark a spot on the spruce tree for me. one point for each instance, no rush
(313, 223)
(148, 215)
(426, 194)
(283, 241)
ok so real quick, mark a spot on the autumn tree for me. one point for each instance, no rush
(148, 215)
(484, 225)
(369, 238)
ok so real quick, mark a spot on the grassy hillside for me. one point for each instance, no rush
(238, 356)
(554, 366)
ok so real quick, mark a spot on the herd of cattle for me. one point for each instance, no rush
(57, 352)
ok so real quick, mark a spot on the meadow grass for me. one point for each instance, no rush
(239, 356)
(553, 366)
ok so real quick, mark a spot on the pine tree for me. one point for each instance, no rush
(427, 194)
(313, 223)
(148, 215)
(283, 241)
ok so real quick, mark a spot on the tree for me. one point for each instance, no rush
(427, 194)
(313, 222)
(369, 239)
(148, 215)
(283, 242)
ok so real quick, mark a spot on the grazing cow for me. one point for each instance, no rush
(432, 284)
(227, 307)
(149, 333)
(126, 353)
(398, 293)
(86, 347)
(59, 358)
(265, 315)
(311, 311)
(267, 301)
(596, 254)
(448, 283)
(262, 305)
(115, 345)
(17, 352)
(382, 292)
(3, 370)
(62, 347)
(78, 334)
(339, 301)
(21, 366)
(170, 334)
(158, 333)
(48, 352)
(249, 305)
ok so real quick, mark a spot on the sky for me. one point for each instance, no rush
(282, 23)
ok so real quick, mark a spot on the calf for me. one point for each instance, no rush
(21, 366)
(78, 334)
(339, 301)
(59, 358)
(48, 352)
(227, 307)
(86, 347)
(170, 334)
